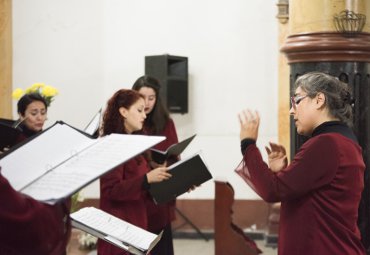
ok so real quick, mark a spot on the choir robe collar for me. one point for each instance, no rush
(27, 132)
(334, 127)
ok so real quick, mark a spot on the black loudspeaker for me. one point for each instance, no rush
(172, 72)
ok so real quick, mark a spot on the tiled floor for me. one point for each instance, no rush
(199, 246)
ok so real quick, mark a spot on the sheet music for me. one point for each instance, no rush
(115, 227)
(94, 124)
(107, 153)
(42, 154)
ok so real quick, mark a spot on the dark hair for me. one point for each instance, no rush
(112, 120)
(27, 99)
(156, 120)
(337, 93)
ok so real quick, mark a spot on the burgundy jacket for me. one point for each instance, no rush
(29, 227)
(123, 194)
(319, 193)
(160, 216)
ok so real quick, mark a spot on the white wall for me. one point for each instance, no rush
(90, 48)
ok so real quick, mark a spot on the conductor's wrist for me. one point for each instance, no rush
(245, 143)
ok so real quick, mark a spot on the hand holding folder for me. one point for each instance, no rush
(9, 132)
(186, 174)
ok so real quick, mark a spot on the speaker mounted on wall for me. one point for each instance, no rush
(172, 72)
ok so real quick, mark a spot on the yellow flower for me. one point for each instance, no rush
(17, 93)
(35, 87)
(46, 91)
(49, 91)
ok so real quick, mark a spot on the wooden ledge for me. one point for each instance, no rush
(327, 47)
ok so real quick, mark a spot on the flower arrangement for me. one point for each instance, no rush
(87, 241)
(46, 91)
(76, 199)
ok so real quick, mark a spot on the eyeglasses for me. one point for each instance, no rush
(295, 100)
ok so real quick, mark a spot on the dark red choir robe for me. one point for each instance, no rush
(319, 193)
(123, 195)
(160, 216)
(29, 227)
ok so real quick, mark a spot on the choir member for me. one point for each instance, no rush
(158, 122)
(124, 190)
(29, 227)
(32, 111)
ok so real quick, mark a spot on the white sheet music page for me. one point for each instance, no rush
(41, 154)
(88, 165)
(114, 227)
(94, 124)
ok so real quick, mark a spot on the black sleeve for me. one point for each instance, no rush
(146, 184)
(245, 143)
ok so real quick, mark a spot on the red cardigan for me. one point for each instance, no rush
(319, 193)
(29, 227)
(160, 216)
(122, 194)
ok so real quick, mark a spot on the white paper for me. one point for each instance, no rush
(114, 227)
(94, 124)
(42, 154)
(62, 160)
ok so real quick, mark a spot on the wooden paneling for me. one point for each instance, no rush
(5, 58)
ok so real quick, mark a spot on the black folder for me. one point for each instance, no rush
(185, 174)
(174, 150)
(8, 133)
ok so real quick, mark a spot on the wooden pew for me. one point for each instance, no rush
(229, 238)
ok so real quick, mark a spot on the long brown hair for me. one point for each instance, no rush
(157, 119)
(113, 122)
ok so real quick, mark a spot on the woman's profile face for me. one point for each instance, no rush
(134, 116)
(150, 98)
(304, 112)
(35, 116)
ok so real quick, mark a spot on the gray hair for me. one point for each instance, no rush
(337, 93)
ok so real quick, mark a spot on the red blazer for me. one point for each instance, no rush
(319, 193)
(122, 194)
(29, 227)
(160, 216)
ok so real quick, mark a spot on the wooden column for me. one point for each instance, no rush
(283, 75)
(5, 58)
(315, 45)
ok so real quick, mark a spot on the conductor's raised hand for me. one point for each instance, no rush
(277, 158)
(249, 124)
(157, 175)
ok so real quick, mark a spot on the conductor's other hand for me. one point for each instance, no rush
(249, 123)
(277, 158)
(157, 175)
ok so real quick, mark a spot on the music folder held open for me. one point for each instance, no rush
(114, 230)
(174, 150)
(186, 173)
(8, 133)
(62, 159)
(93, 127)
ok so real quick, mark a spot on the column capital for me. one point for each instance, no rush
(327, 47)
